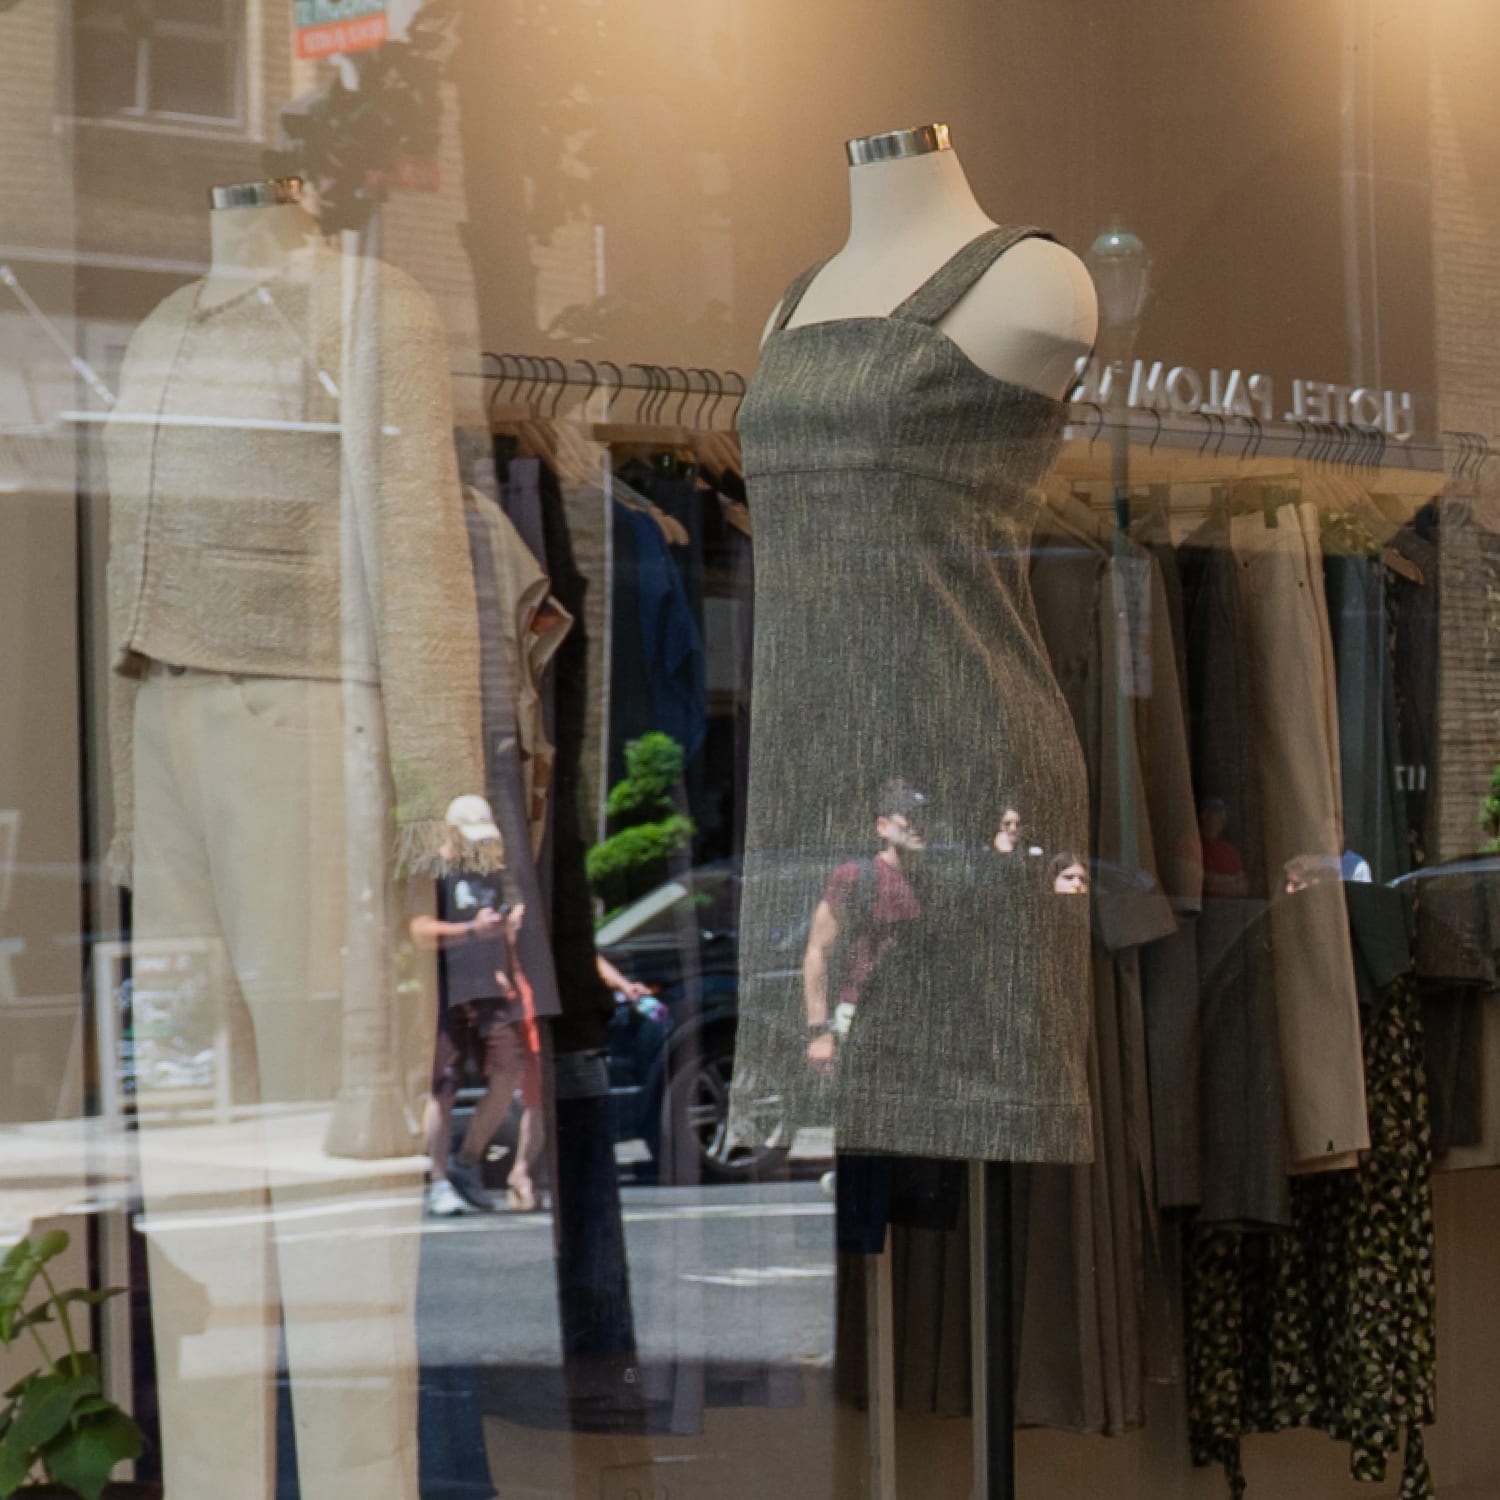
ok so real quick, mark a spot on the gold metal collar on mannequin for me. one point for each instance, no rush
(918, 141)
(264, 194)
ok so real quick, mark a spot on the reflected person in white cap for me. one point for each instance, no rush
(479, 1008)
(472, 819)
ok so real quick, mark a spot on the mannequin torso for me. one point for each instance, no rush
(1027, 321)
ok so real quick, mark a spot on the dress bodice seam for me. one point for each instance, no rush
(945, 341)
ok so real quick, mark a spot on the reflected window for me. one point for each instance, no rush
(159, 59)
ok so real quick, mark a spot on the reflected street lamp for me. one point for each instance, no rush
(1121, 267)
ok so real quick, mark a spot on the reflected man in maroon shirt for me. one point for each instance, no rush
(859, 919)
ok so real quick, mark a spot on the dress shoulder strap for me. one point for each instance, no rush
(939, 294)
(794, 294)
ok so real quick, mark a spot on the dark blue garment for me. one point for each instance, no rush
(1374, 802)
(450, 1423)
(452, 1463)
(862, 1202)
(593, 1276)
(671, 643)
(586, 1004)
(630, 710)
(521, 500)
(680, 498)
(874, 1191)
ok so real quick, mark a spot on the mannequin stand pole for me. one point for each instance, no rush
(992, 1334)
(880, 1365)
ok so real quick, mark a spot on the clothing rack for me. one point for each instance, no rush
(1206, 431)
(539, 381)
(1342, 446)
(1206, 447)
(1201, 449)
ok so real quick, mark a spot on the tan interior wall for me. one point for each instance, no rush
(698, 142)
(39, 721)
(39, 777)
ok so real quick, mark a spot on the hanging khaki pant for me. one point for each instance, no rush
(1288, 652)
(240, 871)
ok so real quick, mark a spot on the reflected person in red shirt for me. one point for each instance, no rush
(858, 920)
(1223, 869)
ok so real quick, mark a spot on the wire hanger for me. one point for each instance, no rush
(503, 415)
(646, 429)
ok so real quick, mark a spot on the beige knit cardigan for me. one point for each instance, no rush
(251, 533)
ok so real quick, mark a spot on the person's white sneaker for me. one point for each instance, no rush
(443, 1201)
(828, 1183)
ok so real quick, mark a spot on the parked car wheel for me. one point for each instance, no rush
(695, 1120)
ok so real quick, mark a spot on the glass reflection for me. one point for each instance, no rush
(862, 915)
(274, 715)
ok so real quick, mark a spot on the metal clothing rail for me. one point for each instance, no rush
(1336, 445)
(541, 380)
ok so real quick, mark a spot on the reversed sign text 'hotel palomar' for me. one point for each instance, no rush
(1181, 391)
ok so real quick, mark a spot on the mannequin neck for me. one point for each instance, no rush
(888, 199)
(259, 244)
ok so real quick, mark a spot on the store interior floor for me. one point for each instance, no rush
(818, 1448)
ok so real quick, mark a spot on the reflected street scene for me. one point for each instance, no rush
(745, 754)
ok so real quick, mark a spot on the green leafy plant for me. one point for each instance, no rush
(647, 824)
(57, 1422)
(1489, 815)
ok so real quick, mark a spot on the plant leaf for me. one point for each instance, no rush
(16, 1277)
(49, 1246)
(46, 1405)
(18, 1390)
(84, 1456)
(15, 1464)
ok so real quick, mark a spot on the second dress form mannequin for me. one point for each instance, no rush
(291, 680)
(1028, 320)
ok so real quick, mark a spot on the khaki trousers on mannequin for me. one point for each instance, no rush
(240, 853)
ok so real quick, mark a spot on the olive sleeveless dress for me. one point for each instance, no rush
(892, 483)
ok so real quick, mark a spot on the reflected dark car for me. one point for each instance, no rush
(671, 1057)
(1478, 869)
(671, 1062)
